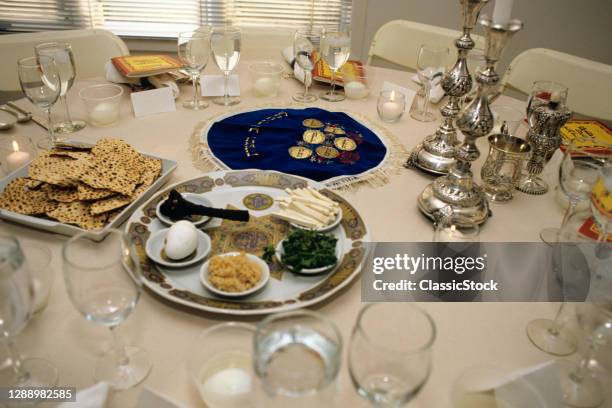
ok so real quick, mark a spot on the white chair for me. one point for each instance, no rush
(91, 48)
(398, 41)
(589, 83)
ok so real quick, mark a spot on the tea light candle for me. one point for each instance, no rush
(265, 86)
(104, 113)
(451, 234)
(17, 158)
(228, 388)
(355, 90)
(391, 110)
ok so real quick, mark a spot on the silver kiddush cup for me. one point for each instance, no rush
(501, 171)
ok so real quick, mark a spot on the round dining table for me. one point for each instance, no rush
(468, 334)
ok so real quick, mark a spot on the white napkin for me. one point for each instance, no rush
(298, 72)
(436, 93)
(93, 397)
(158, 81)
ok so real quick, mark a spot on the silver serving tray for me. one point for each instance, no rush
(46, 224)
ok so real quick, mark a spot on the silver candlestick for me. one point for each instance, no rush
(436, 154)
(458, 189)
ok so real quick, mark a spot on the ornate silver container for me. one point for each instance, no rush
(458, 188)
(501, 171)
(545, 121)
(436, 154)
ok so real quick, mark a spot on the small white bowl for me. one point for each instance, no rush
(326, 228)
(265, 276)
(192, 197)
(280, 251)
(156, 242)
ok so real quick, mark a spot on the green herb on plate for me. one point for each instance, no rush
(268, 254)
(306, 249)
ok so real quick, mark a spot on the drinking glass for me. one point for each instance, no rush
(40, 82)
(194, 51)
(390, 352)
(225, 43)
(335, 51)
(221, 365)
(544, 92)
(297, 359)
(431, 63)
(578, 172)
(64, 60)
(104, 282)
(306, 44)
(391, 105)
(580, 389)
(16, 307)
(457, 228)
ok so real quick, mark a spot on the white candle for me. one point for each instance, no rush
(266, 86)
(391, 110)
(355, 90)
(17, 158)
(228, 388)
(502, 12)
(451, 234)
(104, 113)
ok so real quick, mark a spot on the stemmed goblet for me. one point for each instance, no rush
(16, 307)
(194, 52)
(390, 352)
(306, 44)
(225, 43)
(431, 63)
(64, 60)
(335, 51)
(40, 82)
(104, 282)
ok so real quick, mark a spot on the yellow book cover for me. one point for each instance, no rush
(133, 66)
(322, 72)
(588, 135)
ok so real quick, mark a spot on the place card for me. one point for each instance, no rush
(408, 93)
(154, 101)
(213, 85)
(542, 378)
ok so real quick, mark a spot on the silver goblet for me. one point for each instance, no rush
(545, 121)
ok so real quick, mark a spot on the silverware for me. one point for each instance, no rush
(24, 115)
(4, 125)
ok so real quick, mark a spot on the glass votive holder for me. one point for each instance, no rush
(356, 81)
(513, 118)
(221, 365)
(38, 259)
(391, 105)
(15, 152)
(102, 103)
(501, 171)
(266, 78)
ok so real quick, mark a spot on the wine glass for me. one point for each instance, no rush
(225, 43)
(545, 92)
(104, 282)
(551, 336)
(40, 82)
(335, 50)
(306, 43)
(194, 51)
(431, 63)
(578, 173)
(64, 60)
(16, 307)
(390, 352)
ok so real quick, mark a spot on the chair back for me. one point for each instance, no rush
(91, 49)
(398, 41)
(589, 83)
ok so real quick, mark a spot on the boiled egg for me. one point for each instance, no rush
(181, 240)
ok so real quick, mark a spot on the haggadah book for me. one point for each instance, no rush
(134, 66)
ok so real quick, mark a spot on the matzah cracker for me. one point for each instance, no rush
(77, 213)
(61, 171)
(112, 203)
(17, 197)
(87, 193)
(61, 194)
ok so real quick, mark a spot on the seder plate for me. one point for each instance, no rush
(254, 190)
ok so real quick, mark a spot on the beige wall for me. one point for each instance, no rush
(578, 27)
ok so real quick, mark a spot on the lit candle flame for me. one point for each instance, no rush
(392, 95)
(15, 146)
